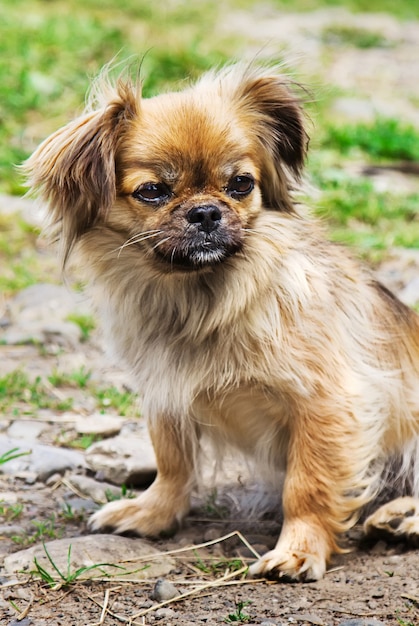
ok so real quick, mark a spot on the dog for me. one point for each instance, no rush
(237, 318)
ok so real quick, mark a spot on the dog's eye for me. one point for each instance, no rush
(154, 193)
(240, 186)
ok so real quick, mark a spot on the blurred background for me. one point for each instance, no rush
(60, 397)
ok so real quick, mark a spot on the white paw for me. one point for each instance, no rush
(398, 519)
(147, 515)
(289, 565)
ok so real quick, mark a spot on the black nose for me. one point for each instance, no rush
(207, 216)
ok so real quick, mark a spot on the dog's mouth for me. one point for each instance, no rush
(194, 255)
(205, 238)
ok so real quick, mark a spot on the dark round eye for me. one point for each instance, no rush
(240, 186)
(154, 193)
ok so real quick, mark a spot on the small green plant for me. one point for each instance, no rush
(64, 579)
(86, 323)
(215, 566)
(403, 622)
(84, 441)
(70, 515)
(337, 34)
(12, 454)
(213, 508)
(10, 512)
(238, 615)
(79, 378)
(124, 402)
(124, 493)
(45, 529)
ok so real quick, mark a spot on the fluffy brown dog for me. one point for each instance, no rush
(236, 317)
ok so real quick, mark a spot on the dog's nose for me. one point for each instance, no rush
(207, 216)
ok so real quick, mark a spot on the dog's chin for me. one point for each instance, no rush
(197, 257)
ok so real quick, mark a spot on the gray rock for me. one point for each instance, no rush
(40, 313)
(124, 460)
(10, 530)
(91, 488)
(46, 302)
(26, 429)
(42, 460)
(164, 590)
(98, 424)
(136, 558)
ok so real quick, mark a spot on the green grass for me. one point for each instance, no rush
(384, 138)
(405, 9)
(43, 529)
(20, 263)
(11, 454)
(124, 402)
(352, 36)
(360, 216)
(21, 395)
(57, 578)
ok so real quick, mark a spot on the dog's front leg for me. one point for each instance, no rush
(320, 471)
(162, 506)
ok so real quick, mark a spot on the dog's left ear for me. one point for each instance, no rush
(278, 119)
(275, 117)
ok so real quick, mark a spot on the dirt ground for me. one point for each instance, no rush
(372, 584)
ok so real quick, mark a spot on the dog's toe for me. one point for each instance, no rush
(397, 520)
(289, 566)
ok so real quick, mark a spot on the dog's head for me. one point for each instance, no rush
(182, 175)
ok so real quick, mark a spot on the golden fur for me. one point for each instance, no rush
(235, 315)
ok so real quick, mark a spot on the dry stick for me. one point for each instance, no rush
(235, 533)
(408, 596)
(120, 618)
(104, 608)
(215, 583)
(25, 611)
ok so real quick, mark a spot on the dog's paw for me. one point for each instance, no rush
(147, 515)
(289, 566)
(397, 520)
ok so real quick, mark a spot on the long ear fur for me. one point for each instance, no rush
(73, 170)
(274, 113)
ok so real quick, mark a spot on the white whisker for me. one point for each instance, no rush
(135, 239)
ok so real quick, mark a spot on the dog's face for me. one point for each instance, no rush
(189, 188)
(180, 176)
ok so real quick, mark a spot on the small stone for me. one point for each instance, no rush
(54, 478)
(164, 590)
(309, 617)
(165, 613)
(211, 534)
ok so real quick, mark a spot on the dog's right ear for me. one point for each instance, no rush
(73, 170)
